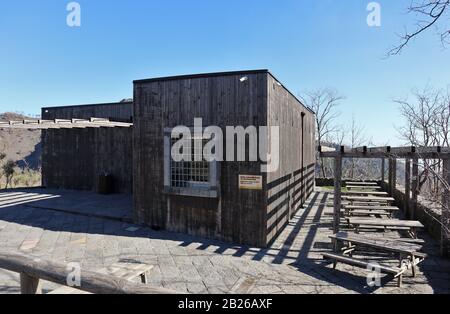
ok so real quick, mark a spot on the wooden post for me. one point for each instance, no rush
(390, 176)
(383, 172)
(445, 216)
(407, 186)
(394, 176)
(337, 193)
(29, 284)
(415, 187)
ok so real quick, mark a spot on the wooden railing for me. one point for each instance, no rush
(32, 270)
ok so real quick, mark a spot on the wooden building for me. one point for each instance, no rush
(74, 158)
(219, 205)
(234, 201)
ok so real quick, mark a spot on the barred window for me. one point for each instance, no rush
(190, 174)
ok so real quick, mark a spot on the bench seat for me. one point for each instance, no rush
(368, 207)
(397, 272)
(367, 213)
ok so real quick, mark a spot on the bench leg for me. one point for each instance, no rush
(335, 246)
(400, 281)
(29, 284)
(334, 264)
(143, 278)
(413, 267)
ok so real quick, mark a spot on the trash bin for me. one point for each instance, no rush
(105, 184)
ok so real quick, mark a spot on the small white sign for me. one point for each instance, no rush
(249, 182)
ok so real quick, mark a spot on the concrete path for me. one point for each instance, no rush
(292, 264)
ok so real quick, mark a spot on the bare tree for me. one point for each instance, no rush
(340, 135)
(324, 103)
(426, 119)
(356, 140)
(429, 14)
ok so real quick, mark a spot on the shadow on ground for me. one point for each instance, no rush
(300, 245)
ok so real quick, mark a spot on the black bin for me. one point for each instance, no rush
(105, 184)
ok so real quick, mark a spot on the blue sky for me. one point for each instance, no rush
(307, 44)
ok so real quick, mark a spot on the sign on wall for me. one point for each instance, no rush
(248, 182)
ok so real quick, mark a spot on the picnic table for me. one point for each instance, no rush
(394, 224)
(408, 254)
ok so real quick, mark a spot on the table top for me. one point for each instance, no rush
(368, 198)
(387, 222)
(378, 243)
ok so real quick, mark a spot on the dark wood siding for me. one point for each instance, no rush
(221, 101)
(289, 186)
(74, 158)
(122, 112)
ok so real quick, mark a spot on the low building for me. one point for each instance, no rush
(248, 201)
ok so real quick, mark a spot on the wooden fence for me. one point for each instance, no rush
(32, 270)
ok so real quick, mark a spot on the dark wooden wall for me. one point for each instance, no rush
(219, 100)
(243, 216)
(74, 158)
(289, 186)
(121, 112)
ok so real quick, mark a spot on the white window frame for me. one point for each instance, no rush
(210, 189)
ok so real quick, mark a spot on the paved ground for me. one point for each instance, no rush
(119, 206)
(188, 264)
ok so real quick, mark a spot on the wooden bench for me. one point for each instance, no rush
(368, 199)
(347, 203)
(368, 207)
(393, 224)
(418, 242)
(408, 253)
(396, 272)
(367, 213)
(362, 187)
(362, 183)
(365, 193)
(126, 271)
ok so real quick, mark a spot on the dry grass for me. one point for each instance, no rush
(23, 179)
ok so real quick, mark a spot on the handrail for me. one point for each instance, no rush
(33, 269)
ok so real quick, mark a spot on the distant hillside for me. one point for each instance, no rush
(21, 146)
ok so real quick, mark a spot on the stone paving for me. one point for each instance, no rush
(119, 206)
(293, 264)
